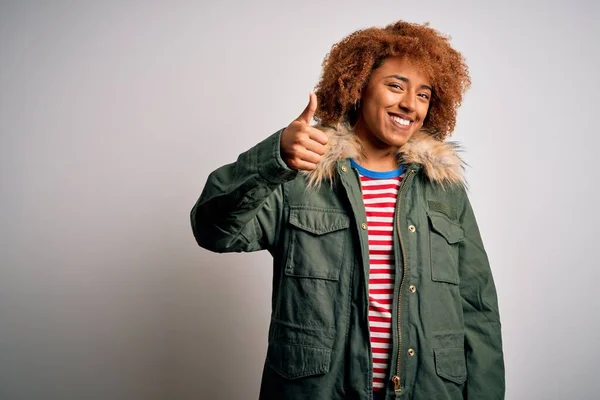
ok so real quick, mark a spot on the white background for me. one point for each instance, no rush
(112, 114)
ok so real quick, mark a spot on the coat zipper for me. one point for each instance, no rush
(396, 378)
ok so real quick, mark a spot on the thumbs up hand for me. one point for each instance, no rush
(302, 145)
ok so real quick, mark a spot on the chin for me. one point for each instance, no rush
(400, 139)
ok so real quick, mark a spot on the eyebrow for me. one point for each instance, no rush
(405, 79)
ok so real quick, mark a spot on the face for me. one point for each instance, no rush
(394, 104)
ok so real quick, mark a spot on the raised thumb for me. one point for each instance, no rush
(309, 111)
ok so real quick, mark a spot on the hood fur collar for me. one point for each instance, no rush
(439, 159)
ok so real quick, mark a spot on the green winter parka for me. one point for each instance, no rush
(446, 327)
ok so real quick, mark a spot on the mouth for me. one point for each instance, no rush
(401, 120)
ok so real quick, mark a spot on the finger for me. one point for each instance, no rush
(317, 135)
(305, 166)
(309, 111)
(315, 147)
(309, 156)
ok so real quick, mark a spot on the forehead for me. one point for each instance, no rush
(404, 67)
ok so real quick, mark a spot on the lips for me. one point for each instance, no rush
(402, 116)
(400, 120)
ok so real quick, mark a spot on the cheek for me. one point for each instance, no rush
(388, 99)
(424, 110)
(372, 113)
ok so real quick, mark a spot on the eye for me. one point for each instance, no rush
(396, 86)
(424, 95)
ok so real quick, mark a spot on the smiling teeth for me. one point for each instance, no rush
(401, 121)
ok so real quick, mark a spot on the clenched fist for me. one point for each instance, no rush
(302, 145)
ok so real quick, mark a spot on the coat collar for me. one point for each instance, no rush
(439, 159)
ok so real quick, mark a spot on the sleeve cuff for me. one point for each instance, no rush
(271, 166)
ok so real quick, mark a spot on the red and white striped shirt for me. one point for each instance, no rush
(380, 190)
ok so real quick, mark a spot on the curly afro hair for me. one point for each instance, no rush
(349, 64)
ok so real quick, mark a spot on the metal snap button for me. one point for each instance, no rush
(412, 288)
(411, 352)
(412, 228)
(363, 225)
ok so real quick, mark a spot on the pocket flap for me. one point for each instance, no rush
(318, 222)
(450, 230)
(296, 361)
(450, 364)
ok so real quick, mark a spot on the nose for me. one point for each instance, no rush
(408, 102)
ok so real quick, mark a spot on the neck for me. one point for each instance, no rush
(376, 156)
(378, 164)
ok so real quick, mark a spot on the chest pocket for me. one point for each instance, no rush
(317, 243)
(445, 236)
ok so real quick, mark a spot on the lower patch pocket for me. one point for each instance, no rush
(294, 361)
(450, 364)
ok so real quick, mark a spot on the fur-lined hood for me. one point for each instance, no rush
(439, 159)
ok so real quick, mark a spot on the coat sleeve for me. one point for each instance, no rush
(483, 338)
(241, 204)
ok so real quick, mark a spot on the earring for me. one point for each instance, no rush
(352, 118)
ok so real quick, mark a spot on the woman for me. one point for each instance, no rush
(382, 287)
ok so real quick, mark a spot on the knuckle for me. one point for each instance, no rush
(299, 137)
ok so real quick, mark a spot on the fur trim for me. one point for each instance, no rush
(439, 159)
(342, 143)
